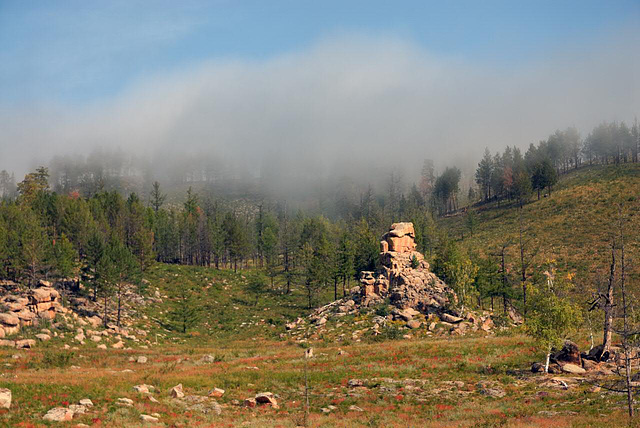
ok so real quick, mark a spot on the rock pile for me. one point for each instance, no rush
(418, 298)
(26, 309)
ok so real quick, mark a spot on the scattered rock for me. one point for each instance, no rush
(573, 369)
(354, 383)
(141, 359)
(58, 414)
(250, 402)
(5, 398)
(413, 324)
(102, 346)
(216, 393)
(77, 409)
(570, 353)
(43, 337)
(125, 402)
(267, 398)
(25, 343)
(537, 368)
(355, 408)
(450, 318)
(144, 388)
(148, 418)
(86, 402)
(176, 391)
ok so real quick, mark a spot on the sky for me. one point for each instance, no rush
(309, 81)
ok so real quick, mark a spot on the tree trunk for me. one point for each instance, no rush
(105, 312)
(608, 304)
(546, 363)
(119, 305)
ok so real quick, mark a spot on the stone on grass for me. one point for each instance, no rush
(118, 345)
(354, 383)
(77, 409)
(5, 398)
(216, 393)
(141, 359)
(176, 391)
(102, 346)
(250, 402)
(144, 388)
(58, 414)
(43, 337)
(86, 402)
(125, 402)
(148, 418)
(573, 369)
(25, 343)
(266, 398)
(355, 408)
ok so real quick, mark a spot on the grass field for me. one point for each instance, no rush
(437, 381)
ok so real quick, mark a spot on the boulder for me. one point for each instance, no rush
(5, 398)
(573, 369)
(77, 409)
(128, 402)
(570, 353)
(413, 324)
(216, 393)
(43, 294)
(176, 391)
(266, 398)
(25, 343)
(537, 368)
(144, 388)
(401, 229)
(9, 319)
(86, 402)
(450, 318)
(58, 414)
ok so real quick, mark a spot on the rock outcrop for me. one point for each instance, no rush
(25, 309)
(404, 276)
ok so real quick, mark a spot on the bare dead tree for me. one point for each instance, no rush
(525, 262)
(608, 302)
(626, 329)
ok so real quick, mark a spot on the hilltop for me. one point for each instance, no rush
(570, 230)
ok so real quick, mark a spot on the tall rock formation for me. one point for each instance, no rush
(404, 275)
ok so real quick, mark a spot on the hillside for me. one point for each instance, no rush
(571, 229)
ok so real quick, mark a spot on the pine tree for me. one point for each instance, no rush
(185, 313)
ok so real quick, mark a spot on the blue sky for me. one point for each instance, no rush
(74, 52)
(310, 84)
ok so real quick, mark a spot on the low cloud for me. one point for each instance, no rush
(347, 105)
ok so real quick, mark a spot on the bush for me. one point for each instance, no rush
(383, 310)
